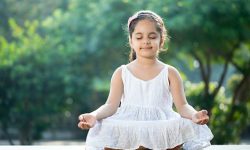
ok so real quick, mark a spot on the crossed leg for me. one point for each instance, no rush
(140, 148)
(143, 148)
(176, 148)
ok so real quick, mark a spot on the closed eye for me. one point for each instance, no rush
(153, 37)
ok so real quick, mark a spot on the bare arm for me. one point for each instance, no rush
(88, 120)
(113, 101)
(184, 109)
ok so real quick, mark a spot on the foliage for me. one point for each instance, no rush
(57, 57)
(231, 128)
(216, 33)
(224, 130)
(40, 79)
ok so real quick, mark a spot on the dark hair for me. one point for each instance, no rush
(142, 15)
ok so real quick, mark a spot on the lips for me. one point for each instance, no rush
(146, 47)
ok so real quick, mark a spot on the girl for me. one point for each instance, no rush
(145, 89)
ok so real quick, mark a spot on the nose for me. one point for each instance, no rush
(146, 41)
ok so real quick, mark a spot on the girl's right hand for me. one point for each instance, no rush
(86, 121)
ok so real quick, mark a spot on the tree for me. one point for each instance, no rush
(215, 32)
(50, 65)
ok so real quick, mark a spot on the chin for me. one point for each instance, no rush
(149, 56)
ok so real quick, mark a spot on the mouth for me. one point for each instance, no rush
(146, 47)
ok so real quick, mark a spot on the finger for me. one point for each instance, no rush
(80, 125)
(205, 120)
(204, 112)
(202, 122)
(84, 125)
(199, 122)
(80, 117)
(87, 126)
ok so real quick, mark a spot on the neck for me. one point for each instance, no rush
(146, 62)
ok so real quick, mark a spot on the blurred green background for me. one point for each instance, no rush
(57, 58)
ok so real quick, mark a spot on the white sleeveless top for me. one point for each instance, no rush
(146, 118)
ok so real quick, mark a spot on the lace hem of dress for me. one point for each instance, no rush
(161, 134)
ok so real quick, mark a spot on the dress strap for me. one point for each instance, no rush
(124, 73)
(165, 76)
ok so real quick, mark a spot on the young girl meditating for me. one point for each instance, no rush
(138, 113)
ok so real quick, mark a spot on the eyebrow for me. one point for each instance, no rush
(152, 33)
(139, 33)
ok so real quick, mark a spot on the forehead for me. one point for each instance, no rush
(145, 26)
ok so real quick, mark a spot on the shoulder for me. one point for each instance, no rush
(118, 71)
(116, 83)
(117, 75)
(172, 70)
(173, 73)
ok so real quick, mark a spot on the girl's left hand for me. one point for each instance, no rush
(200, 117)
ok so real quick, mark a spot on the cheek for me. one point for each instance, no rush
(156, 43)
(135, 44)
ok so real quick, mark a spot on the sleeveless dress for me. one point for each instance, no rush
(146, 118)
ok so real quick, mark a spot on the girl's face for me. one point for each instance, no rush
(145, 39)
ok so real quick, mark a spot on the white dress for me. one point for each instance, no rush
(146, 118)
